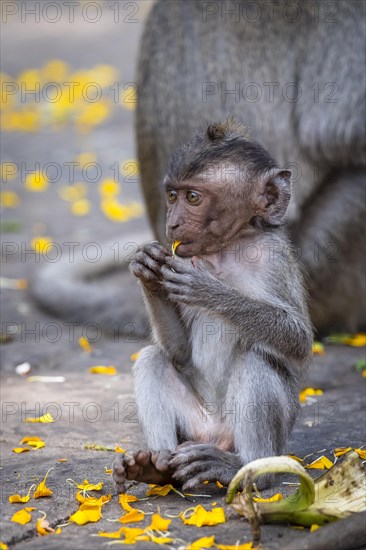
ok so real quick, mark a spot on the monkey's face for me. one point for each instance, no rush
(204, 216)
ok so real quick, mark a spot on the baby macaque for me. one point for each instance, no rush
(232, 337)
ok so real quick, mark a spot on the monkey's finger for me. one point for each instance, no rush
(178, 264)
(161, 460)
(156, 251)
(207, 475)
(121, 487)
(142, 272)
(174, 276)
(147, 261)
(188, 471)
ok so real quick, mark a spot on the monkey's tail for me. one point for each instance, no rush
(69, 288)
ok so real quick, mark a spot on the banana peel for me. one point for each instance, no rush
(332, 496)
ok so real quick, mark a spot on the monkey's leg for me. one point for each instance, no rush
(260, 408)
(331, 241)
(166, 405)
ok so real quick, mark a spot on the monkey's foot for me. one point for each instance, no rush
(146, 466)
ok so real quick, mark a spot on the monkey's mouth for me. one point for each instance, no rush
(184, 248)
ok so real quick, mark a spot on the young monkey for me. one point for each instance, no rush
(219, 387)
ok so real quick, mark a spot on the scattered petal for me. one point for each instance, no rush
(81, 207)
(341, 451)
(134, 534)
(109, 187)
(19, 450)
(87, 513)
(158, 523)
(322, 463)
(61, 460)
(200, 516)
(124, 500)
(42, 245)
(309, 392)
(297, 458)
(36, 182)
(361, 453)
(22, 516)
(161, 540)
(85, 344)
(318, 348)
(161, 491)
(107, 470)
(111, 535)
(86, 486)
(244, 546)
(42, 490)
(135, 356)
(99, 501)
(71, 193)
(219, 485)
(33, 441)
(103, 370)
(357, 340)
(203, 542)
(17, 498)
(3, 546)
(133, 516)
(119, 449)
(45, 418)
(9, 199)
(314, 527)
(274, 498)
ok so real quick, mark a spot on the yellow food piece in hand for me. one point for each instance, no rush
(175, 245)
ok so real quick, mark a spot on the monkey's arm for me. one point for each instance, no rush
(167, 326)
(282, 327)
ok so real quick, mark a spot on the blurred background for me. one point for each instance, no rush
(68, 164)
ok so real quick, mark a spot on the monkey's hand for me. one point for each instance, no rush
(146, 265)
(190, 284)
(197, 462)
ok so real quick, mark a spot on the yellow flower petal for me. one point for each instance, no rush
(107, 470)
(361, 453)
(158, 523)
(36, 182)
(9, 199)
(219, 485)
(20, 450)
(86, 486)
(201, 517)
(72, 193)
(81, 207)
(274, 498)
(318, 348)
(42, 490)
(3, 546)
(103, 370)
(124, 500)
(244, 546)
(161, 491)
(119, 449)
(46, 418)
(17, 498)
(357, 340)
(161, 540)
(111, 535)
(22, 516)
(203, 542)
(314, 527)
(61, 460)
(109, 187)
(99, 501)
(42, 245)
(33, 441)
(85, 344)
(134, 534)
(175, 245)
(133, 516)
(309, 392)
(54, 70)
(341, 451)
(297, 458)
(135, 356)
(322, 463)
(87, 513)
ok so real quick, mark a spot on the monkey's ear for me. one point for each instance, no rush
(275, 196)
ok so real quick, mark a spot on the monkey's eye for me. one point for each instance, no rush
(171, 196)
(193, 197)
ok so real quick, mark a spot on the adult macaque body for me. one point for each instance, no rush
(232, 335)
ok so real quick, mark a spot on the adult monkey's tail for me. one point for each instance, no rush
(67, 290)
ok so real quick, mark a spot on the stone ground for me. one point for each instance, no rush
(96, 408)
